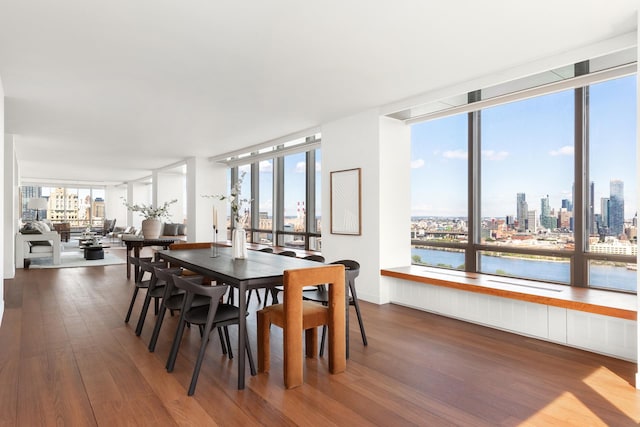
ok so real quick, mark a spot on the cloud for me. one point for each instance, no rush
(417, 164)
(495, 155)
(566, 150)
(266, 166)
(301, 167)
(455, 154)
(318, 167)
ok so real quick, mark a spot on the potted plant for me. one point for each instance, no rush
(152, 223)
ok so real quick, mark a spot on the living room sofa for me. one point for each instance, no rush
(36, 240)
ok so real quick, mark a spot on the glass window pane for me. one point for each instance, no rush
(439, 184)
(438, 257)
(619, 276)
(527, 173)
(295, 190)
(535, 267)
(612, 161)
(244, 173)
(265, 204)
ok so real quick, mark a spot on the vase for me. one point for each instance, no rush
(151, 228)
(239, 243)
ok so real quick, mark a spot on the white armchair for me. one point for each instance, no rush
(26, 250)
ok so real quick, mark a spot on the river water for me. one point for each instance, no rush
(602, 276)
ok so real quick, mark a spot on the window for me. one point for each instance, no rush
(81, 207)
(439, 192)
(553, 183)
(283, 190)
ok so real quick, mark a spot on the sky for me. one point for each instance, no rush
(527, 147)
(294, 182)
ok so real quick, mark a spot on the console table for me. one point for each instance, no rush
(136, 243)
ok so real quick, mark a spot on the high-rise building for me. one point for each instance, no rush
(566, 204)
(593, 228)
(603, 226)
(616, 207)
(521, 211)
(546, 219)
(532, 221)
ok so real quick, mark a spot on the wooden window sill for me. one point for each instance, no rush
(607, 303)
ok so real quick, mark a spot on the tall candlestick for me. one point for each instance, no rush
(215, 218)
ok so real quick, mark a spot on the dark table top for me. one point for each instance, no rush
(259, 268)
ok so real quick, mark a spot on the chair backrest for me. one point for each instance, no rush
(149, 266)
(295, 280)
(352, 270)
(193, 284)
(167, 275)
(316, 258)
(288, 253)
(196, 245)
(267, 250)
(135, 261)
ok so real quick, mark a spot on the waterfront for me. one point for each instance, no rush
(605, 276)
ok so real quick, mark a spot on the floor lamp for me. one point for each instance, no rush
(38, 203)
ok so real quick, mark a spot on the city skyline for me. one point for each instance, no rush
(527, 147)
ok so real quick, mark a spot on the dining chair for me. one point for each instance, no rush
(295, 315)
(140, 283)
(172, 300)
(213, 315)
(251, 291)
(320, 294)
(275, 291)
(154, 292)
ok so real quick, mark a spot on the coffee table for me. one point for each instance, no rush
(94, 251)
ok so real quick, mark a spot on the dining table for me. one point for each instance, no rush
(258, 270)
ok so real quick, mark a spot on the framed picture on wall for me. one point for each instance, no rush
(345, 202)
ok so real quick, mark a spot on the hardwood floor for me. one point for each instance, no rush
(68, 358)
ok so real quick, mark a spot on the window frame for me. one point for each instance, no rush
(579, 258)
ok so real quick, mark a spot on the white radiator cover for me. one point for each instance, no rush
(606, 335)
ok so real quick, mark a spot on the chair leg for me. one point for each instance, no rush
(133, 300)
(156, 328)
(364, 335)
(226, 337)
(311, 342)
(171, 361)
(196, 369)
(156, 305)
(222, 344)
(143, 314)
(323, 339)
(247, 346)
(264, 352)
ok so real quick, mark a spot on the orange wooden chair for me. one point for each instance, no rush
(296, 315)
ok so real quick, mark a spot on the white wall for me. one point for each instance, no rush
(171, 185)
(2, 204)
(10, 205)
(114, 206)
(204, 178)
(381, 148)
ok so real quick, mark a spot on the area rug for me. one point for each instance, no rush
(75, 258)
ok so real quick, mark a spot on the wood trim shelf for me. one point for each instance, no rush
(606, 303)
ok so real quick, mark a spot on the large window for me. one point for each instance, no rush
(552, 185)
(81, 207)
(284, 187)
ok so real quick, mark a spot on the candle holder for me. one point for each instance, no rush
(214, 243)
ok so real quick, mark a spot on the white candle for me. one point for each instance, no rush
(215, 218)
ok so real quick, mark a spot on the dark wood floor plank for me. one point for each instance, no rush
(67, 357)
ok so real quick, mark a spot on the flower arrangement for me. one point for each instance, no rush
(149, 212)
(237, 213)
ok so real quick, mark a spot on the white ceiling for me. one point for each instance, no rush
(107, 91)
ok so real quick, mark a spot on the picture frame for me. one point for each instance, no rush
(346, 204)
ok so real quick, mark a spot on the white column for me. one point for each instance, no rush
(638, 198)
(204, 178)
(381, 148)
